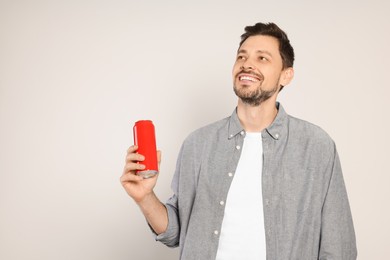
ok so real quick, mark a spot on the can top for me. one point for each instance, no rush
(143, 121)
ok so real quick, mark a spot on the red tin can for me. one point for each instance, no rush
(145, 139)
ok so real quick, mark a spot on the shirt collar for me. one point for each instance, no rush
(234, 127)
(277, 129)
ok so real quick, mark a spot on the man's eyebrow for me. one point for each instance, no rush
(259, 51)
(265, 52)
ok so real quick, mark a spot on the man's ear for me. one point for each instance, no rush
(287, 76)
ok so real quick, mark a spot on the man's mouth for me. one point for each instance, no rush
(248, 77)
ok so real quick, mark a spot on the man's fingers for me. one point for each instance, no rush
(134, 157)
(131, 167)
(158, 156)
(130, 178)
(132, 149)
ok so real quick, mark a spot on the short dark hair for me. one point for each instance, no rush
(271, 29)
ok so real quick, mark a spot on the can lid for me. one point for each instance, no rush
(143, 121)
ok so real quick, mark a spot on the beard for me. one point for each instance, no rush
(254, 97)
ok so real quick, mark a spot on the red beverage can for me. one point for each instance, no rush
(145, 139)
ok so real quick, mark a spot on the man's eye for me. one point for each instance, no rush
(240, 58)
(263, 58)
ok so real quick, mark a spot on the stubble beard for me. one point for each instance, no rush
(255, 97)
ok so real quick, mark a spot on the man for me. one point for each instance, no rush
(259, 184)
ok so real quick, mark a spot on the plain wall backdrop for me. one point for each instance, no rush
(76, 75)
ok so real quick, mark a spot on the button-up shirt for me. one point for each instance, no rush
(306, 209)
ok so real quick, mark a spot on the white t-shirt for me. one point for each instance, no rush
(242, 234)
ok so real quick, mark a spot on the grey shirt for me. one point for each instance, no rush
(306, 209)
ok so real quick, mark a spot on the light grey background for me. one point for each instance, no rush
(75, 75)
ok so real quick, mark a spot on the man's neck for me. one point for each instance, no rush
(257, 118)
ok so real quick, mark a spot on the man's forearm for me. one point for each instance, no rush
(155, 213)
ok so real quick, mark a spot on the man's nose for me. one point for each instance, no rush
(247, 65)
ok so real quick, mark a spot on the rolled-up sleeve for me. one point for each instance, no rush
(171, 236)
(338, 240)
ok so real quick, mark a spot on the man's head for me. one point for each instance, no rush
(264, 63)
(271, 29)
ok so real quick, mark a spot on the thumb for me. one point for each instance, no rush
(159, 159)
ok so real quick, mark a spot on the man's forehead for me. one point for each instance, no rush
(259, 43)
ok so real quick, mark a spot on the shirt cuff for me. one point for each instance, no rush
(171, 236)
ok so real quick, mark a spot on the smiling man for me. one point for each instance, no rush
(259, 184)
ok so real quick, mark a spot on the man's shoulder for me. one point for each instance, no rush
(209, 130)
(309, 132)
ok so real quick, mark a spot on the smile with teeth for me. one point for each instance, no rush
(248, 78)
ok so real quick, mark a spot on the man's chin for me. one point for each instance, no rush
(254, 100)
(246, 95)
(249, 98)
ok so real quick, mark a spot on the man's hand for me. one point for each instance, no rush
(136, 186)
(141, 190)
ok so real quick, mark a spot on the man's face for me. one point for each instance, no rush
(258, 69)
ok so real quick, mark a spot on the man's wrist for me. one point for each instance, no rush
(147, 200)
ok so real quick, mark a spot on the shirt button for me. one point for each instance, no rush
(230, 174)
(238, 147)
(231, 136)
(276, 136)
(242, 133)
(216, 232)
(221, 203)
